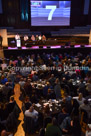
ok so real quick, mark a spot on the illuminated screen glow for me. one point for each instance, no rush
(50, 13)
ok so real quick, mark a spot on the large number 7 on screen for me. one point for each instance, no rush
(53, 8)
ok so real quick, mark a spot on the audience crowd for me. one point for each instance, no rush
(62, 80)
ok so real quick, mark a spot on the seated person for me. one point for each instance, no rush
(66, 125)
(85, 106)
(35, 77)
(40, 37)
(21, 82)
(5, 133)
(80, 99)
(34, 97)
(52, 129)
(31, 112)
(26, 38)
(46, 110)
(43, 38)
(51, 94)
(88, 86)
(27, 103)
(11, 104)
(37, 38)
(62, 115)
(3, 80)
(17, 37)
(33, 38)
(3, 112)
(45, 89)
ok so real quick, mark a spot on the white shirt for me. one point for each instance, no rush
(17, 37)
(40, 37)
(33, 114)
(80, 102)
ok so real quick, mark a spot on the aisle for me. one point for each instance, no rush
(20, 131)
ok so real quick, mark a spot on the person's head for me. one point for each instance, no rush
(47, 109)
(21, 79)
(27, 99)
(52, 75)
(57, 81)
(54, 121)
(4, 133)
(48, 83)
(64, 79)
(12, 99)
(31, 109)
(65, 95)
(64, 110)
(80, 96)
(7, 83)
(28, 80)
(49, 90)
(81, 80)
(2, 77)
(36, 35)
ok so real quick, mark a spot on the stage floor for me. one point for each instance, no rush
(49, 47)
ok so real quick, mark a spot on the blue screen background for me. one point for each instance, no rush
(60, 17)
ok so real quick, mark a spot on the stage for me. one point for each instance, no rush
(47, 49)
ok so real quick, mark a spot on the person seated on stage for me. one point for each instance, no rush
(33, 38)
(26, 38)
(40, 37)
(17, 37)
(43, 39)
(31, 112)
(37, 38)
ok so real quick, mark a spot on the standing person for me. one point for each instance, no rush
(57, 89)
